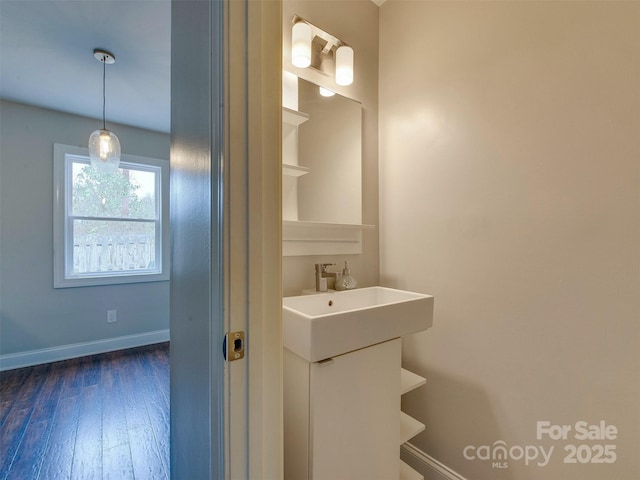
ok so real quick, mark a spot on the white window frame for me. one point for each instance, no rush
(63, 156)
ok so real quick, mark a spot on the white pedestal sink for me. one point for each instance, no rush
(317, 327)
(343, 382)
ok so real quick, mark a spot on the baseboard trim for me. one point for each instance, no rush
(65, 352)
(427, 465)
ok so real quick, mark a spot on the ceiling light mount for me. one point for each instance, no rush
(104, 56)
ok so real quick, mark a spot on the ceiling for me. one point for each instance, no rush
(46, 57)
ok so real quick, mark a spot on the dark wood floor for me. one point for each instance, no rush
(98, 417)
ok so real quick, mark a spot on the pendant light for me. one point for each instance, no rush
(104, 146)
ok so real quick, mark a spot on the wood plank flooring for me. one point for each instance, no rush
(98, 417)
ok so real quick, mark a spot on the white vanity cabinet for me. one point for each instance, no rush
(341, 415)
(343, 382)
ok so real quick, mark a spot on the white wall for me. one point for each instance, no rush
(509, 183)
(356, 23)
(34, 315)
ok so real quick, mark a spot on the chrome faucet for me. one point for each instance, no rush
(321, 276)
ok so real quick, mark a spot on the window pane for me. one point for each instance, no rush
(127, 193)
(101, 246)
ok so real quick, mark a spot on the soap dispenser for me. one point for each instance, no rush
(345, 281)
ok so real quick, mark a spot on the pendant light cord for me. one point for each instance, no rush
(104, 95)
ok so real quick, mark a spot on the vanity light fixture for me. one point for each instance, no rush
(312, 47)
(344, 65)
(301, 44)
(104, 146)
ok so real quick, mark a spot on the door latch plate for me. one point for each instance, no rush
(233, 347)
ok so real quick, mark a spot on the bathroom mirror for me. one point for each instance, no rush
(325, 185)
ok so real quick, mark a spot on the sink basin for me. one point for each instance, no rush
(317, 327)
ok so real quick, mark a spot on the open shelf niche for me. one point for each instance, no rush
(409, 427)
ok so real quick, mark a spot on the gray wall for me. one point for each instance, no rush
(34, 315)
(510, 147)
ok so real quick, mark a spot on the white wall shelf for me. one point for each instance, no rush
(294, 170)
(410, 381)
(409, 427)
(294, 117)
(321, 238)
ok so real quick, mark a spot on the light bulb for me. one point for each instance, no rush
(104, 151)
(344, 65)
(105, 146)
(301, 45)
(325, 92)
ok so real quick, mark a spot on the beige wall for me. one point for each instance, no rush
(509, 168)
(356, 23)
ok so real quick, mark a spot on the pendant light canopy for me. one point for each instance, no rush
(104, 146)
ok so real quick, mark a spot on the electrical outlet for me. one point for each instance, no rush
(111, 316)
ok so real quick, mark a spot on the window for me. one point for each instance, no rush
(109, 228)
